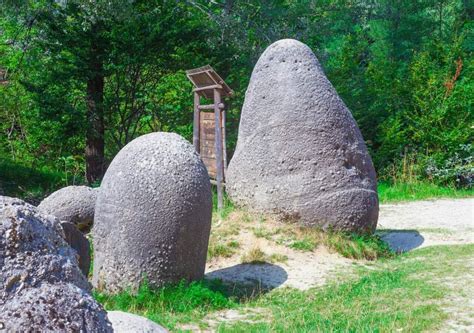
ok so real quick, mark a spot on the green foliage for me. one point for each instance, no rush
(31, 184)
(403, 68)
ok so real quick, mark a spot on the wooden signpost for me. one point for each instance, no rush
(209, 123)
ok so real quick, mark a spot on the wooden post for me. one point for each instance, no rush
(209, 85)
(218, 146)
(224, 148)
(197, 124)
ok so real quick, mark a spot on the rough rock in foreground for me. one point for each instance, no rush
(41, 285)
(60, 307)
(300, 154)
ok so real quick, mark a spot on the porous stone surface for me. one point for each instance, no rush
(74, 204)
(153, 215)
(80, 244)
(59, 307)
(41, 285)
(124, 322)
(300, 154)
(33, 246)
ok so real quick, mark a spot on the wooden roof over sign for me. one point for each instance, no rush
(206, 76)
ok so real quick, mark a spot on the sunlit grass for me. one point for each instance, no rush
(418, 191)
(402, 293)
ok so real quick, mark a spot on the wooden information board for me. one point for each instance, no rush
(209, 124)
(207, 142)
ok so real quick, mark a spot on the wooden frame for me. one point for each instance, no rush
(212, 146)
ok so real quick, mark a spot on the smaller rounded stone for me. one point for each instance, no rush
(123, 322)
(74, 204)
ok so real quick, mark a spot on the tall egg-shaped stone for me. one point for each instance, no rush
(152, 216)
(300, 154)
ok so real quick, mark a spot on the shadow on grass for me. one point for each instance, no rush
(186, 302)
(183, 302)
(401, 241)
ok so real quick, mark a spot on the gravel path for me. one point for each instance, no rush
(407, 226)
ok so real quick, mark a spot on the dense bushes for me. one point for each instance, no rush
(404, 69)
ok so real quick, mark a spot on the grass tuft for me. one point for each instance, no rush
(352, 246)
(220, 249)
(254, 256)
(307, 244)
(276, 257)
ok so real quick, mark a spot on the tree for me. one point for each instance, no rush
(80, 48)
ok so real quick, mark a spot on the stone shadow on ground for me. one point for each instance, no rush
(401, 240)
(250, 280)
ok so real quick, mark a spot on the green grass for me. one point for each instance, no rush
(352, 246)
(418, 191)
(402, 293)
(305, 244)
(221, 249)
(30, 184)
(172, 304)
(228, 205)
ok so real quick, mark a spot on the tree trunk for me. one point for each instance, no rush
(95, 130)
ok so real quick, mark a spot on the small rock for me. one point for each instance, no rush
(123, 322)
(74, 204)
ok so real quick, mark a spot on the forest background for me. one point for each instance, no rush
(80, 79)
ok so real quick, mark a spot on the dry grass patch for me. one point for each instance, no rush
(254, 256)
(244, 228)
(258, 256)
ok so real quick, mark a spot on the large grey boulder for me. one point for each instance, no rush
(74, 204)
(41, 286)
(124, 322)
(153, 215)
(300, 154)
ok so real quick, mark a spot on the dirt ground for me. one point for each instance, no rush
(407, 226)
(404, 226)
